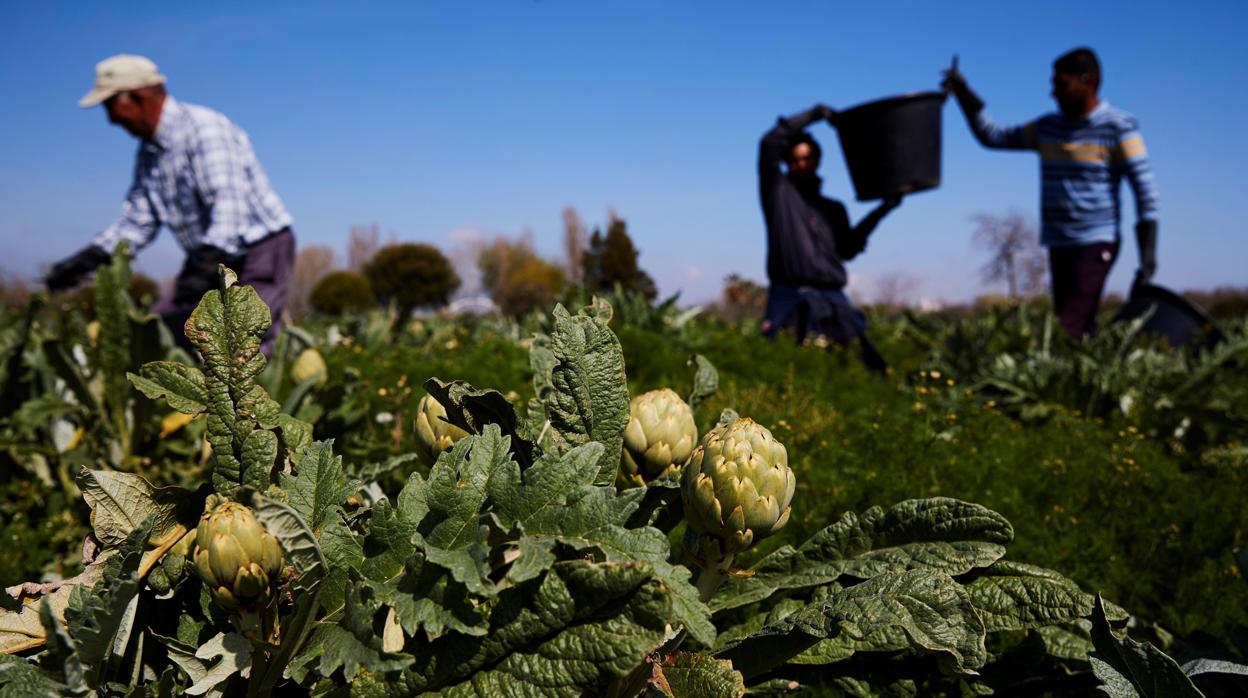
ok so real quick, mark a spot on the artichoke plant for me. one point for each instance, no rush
(736, 490)
(659, 438)
(433, 433)
(309, 364)
(238, 560)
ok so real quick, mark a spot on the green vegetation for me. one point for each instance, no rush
(948, 525)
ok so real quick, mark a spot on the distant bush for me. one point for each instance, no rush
(342, 292)
(412, 275)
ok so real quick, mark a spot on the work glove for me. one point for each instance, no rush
(69, 271)
(1146, 240)
(199, 273)
(891, 202)
(826, 113)
(954, 82)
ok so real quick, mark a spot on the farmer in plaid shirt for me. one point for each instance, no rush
(197, 174)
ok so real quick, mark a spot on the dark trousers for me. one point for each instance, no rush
(823, 311)
(265, 266)
(1078, 279)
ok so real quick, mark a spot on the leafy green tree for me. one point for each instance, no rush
(412, 275)
(612, 260)
(342, 292)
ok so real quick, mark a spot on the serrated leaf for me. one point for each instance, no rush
(121, 501)
(1067, 641)
(1128, 668)
(320, 488)
(427, 599)
(234, 652)
(692, 675)
(1013, 596)
(95, 617)
(351, 644)
(178, 384)
(589, 399)
(581, 627)
(227, 327)
(942, 534)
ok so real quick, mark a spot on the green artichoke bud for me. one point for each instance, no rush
(309, 364)
(736, 489)
(433, 433)
(237, 559)
(659, 437)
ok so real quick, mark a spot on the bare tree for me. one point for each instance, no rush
(363, 244)
(895, 290)
(311, 265)
(575, 239)
(1016, 255)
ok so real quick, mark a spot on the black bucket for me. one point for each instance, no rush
(1173, 316)
(892, 146)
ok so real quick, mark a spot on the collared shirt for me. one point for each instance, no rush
(199, 176)
(1082, 163)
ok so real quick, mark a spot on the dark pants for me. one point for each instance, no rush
(823, 311)
(265, 266)
(1078, 279)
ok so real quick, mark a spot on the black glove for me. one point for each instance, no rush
(826, 113)
(1146, 240)
(956, 83)
(69, 271)
(199, 273)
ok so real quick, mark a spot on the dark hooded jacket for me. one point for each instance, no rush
(809, 236)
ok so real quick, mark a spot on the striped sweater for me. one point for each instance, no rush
(1082, 164)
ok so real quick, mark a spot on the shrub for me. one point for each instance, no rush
(412, 275)
(342, 292)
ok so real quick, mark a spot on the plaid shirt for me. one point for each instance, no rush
(199, 176)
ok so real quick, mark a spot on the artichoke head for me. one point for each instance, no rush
(236, 557)
(660, 437)
(309, 364)
(433, 433)
(736, 488)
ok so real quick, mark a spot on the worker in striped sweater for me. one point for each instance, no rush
(1086, 148)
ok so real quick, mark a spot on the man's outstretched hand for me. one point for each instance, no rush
(68, 272)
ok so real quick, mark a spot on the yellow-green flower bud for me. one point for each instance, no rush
(237, 559)
(433, 433)
(737, 487)
(309, 364)
(660, 436)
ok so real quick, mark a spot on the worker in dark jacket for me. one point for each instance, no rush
(809, 239)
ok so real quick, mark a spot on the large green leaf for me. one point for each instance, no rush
(121, 501)
(181, 385)
(1012, 596)
(572, 633)
(930, 608)
(556, 503)
(1131, 669)
(692, 675)
(320, 488)
(941, 534)
(227, 327)
(589, 396)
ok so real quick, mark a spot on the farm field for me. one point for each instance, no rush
(1116, 467)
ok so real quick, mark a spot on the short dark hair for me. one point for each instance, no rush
(1082, 62)
(808, 139)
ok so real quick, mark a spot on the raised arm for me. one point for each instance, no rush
(987, 132)
(776, 144)
(850, 245)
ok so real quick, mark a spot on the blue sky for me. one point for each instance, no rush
(436, 118)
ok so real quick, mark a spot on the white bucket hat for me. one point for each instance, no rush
(118, 74)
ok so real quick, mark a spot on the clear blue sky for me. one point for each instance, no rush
(433, 117)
